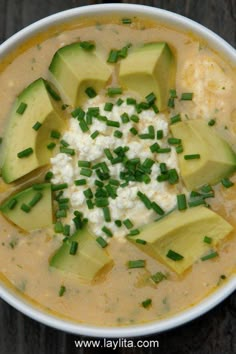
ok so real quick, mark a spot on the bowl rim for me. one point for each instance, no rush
(183, 24)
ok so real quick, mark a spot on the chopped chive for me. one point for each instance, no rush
(124, 118)
(181, 202)
(210, 256)
(146, 201)
(134, 118)
(140, 241)
(64, 106)
(26, 208)
(131, 101)
(174, 141)
(100, 240)
(83, 126)
(107, 231)
(126, 21)
(160, 134)
(133, 130)
(139, 263)
(171, 102)
(12, 203)
(58, 187)
(113, 56)
(86, 172)
(207, 239)
(112, 123)
(48, 176)
(227, 183)
(155, 109)
(58, 227)
(88, 193)
(179, 149)
(134, 232)
(101, 202)
(174, 256)
(157, 208)
(83, 163)
(68, 151)
(111, 192)
(73, 247)
(108, 106)
(123, 52)
(211, 122)
(36, 126)
(119, 102)
(187, 96)
(98, 183)
(107, 215)
(90, 204)
(151, 98)
(164, 150)
(78, 112)
(175, 119)
(55, 134)
(158, 277)
(196, 202)
(148, 163)
(114, 182)
(90, 92)
(151, 131)
(163, 168)
(51, 146)
(192, 157)
(61, 213)
(147, 303)
(118, 223)
(25, 153)
(206, 188)
(22, 107)
(94, 134)
(111, 91)
(173, 176)
(87, 45)
(53, 93)
(173, 93)
(64, 143)
(128, 224)
(118, 134)
(37, 197)
(154, 147)
(62, 290)
(80, 182)
(108, 154)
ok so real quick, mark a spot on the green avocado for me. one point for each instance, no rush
(89, 259)
(74, 69)
(183, 232)
(217, 159)
(37, 202)
(150, 68)
(33, 106)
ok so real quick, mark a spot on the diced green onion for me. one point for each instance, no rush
(22, 107)
(58, 227)
(100, 240)
(174, 256)
(118, 223)
(108, 154)
(12, 203)
(114, 182)
(174, 141)
(55, 134)
(151, 98)
(64, 106)
(134, 232)
(173, 176)
(211, 122)
(26, 208)
(107, 215)
(187, 96)
(158, 277)
(163, 168)
(83, 126)
(164, 150)
(58, 187)
(61, 213)
(163, 177)
(157, 208)
(108, 106)
(68, 151)
(151, 131)
(62, 291)
(140, 241)
(119, 102)
(107, 231)
(133, 130)
(148, 163)
(64, 143)
(90, 92)
(128, 224)
(196, 202)
(160, 134)
(83, 163)
(88, 193)
(112, 123)
(78, 112)
(139, 263)
(113, 56)
(80, 182)
(53, 93)
(175, 119)
(101, 202)
(118, 134)
(112, 91)
(87, 45)
(126, 21)
(192, 157)
(36, 126)
(147, 303)
(37, 197)
(51, 146)
(48, 176)
(90, 204)
(179, 149)
(25, 153)
(206, 188)
(207, 239)
(124, 118)
(227, 183)
(131, 101)
(210, 256)
(73, 247)
(111, 191)
(154, 147)
(94, 134)
(86, 172)
(181, 202)
(155, 109)
(146, 201)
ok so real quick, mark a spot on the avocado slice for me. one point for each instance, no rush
(39, 200)
(74, 69)
(20, 134)
(217, 159)
(89, 259)
(183, 232)
(150, 68)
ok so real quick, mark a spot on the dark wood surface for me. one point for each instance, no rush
(213, 333)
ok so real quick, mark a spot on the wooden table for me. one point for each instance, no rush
(213, 333)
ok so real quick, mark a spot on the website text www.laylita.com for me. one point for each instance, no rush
(116, 343)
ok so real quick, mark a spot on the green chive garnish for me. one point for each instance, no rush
(62, 290)
(107, 231)
(108, 106)
(12, 203)
(58, 187)
(101, 202)
(112, 91)
(146, 303)
(36, 126)
(192, 157)
(22, 107)
(139, 263)
(133, 131)
(210, 256)
(68, 151)
(58, 227)
(90, 92)
(174, 141)
(187, 96)
(158, 277)
(107, 215)
(179, 149)
(118, 223)
(146, 201)
(175, 119)
(83, 163)
(118, 134)
(160, 134)
(48, 176)
(26, 208)
(157, 208)
(25, 153)
(128, 224)
(94, 134)
(51, 146)
(86, 172)
(140, 241)
(112, 123)
(163, 150)
(37, 197)
(151, 98)
(134, 232)
(154, 147)
(113, 56)
(227, 183)
(80, 182)
(126, 21)
(174, 255)
(181, 202)
(173, 176)
(87, 45)
(207, 239)
(100, 240)
(55, 134)
(211, 122)
(73, 247)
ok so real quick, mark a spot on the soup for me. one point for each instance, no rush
(125, 215)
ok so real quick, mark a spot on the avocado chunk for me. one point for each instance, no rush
(89, 259)
(217, 159)
(74, 69)
(37, 203)
(38, 107)
(150, 68)
(183, 232)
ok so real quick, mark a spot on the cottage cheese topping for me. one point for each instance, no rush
(127, 204)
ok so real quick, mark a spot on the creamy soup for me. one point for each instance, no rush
(117, 202)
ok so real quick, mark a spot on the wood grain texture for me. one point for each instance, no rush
(213, 333)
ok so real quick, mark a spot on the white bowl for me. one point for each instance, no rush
(209, 302)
